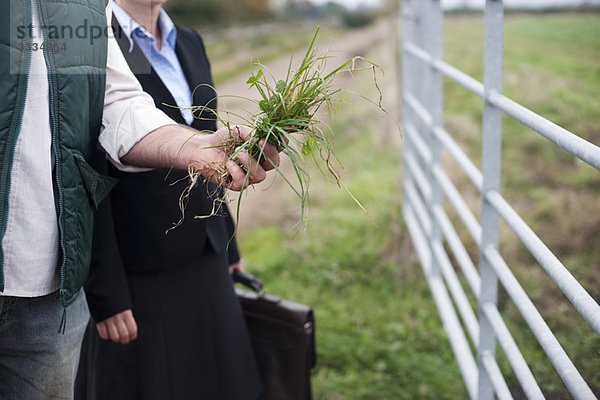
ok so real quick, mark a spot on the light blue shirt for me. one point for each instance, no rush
(163, 60)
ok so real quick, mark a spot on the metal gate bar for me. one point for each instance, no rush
(425, 184)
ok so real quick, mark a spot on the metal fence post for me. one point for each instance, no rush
(433, 100)
(409, 27)
(491, 160)
(406, 11)
(417, 71)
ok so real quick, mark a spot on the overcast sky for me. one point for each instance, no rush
(451, 3)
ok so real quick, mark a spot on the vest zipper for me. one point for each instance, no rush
(55, 145)
(12, 140)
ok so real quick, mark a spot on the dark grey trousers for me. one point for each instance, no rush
(37, 362)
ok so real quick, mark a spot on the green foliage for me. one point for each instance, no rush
(357, 19)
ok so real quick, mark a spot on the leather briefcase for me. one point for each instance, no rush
(283, 338)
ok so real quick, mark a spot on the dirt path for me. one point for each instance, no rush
(272, 201)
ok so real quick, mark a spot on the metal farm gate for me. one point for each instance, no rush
(425, 183)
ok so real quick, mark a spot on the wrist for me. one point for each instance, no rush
(191, 151)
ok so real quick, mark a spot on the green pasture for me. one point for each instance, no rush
(379, 334)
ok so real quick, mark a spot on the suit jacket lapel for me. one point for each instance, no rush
(145, 73)
(189, 53)
(189, 72)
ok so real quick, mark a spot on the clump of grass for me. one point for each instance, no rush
(288, 119)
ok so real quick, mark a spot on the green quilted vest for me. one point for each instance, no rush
(75, 49)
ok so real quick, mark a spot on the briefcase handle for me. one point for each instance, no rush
(248, 280)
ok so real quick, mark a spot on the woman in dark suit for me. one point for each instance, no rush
(166, 321)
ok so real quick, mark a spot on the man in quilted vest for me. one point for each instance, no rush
(64, 89)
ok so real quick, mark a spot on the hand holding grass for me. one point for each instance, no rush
(233, 172)
(287, 119)
(180, 147)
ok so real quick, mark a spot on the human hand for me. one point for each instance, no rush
(238, 265)
(241, 172)
(181, 147)
(120, 328)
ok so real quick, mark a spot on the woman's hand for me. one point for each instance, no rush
(238, 265)
(120, 328)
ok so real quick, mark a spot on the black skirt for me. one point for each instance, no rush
(192, 341)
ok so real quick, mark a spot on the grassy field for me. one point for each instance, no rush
(551, 65)
(379, 334)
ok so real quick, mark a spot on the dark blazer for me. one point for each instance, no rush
(129, 234)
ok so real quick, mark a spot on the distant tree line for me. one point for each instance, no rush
(215, 11)
(198, 12)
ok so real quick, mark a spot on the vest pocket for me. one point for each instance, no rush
(97, 185)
